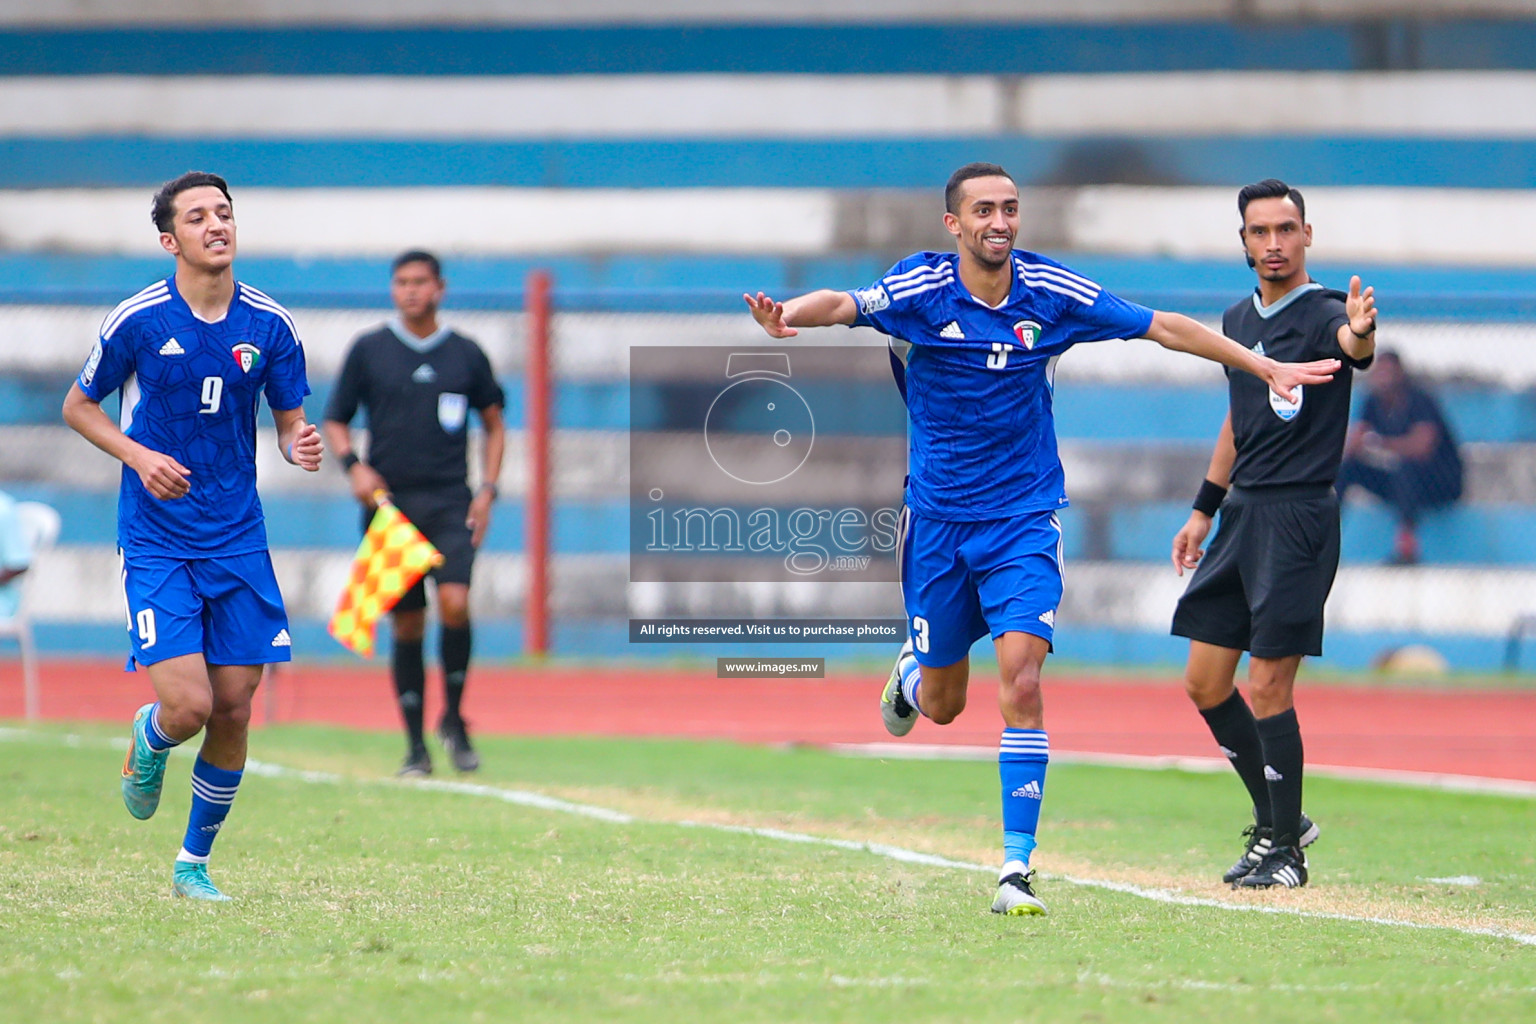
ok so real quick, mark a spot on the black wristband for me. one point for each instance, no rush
(1367, 334)
(348, 461)
(1210, 497)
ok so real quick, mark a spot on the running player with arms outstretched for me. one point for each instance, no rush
(976, 335)
(193, 355)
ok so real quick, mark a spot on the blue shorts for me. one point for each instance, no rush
(227, 609)
(961, 581)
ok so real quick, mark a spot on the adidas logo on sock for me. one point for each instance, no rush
(1231, 754)
(1270, 775)
(172, 348)
(952, 330)
(282, 639)
(1030, 789)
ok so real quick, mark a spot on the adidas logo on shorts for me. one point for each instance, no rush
(282, 639)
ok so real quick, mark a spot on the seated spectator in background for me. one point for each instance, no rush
(1401, 449)
(15, 556)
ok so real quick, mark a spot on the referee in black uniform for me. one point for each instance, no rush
(418, 380)
(1262, 586)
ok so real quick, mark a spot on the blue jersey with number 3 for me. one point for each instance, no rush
(978, 380)
(190, 390)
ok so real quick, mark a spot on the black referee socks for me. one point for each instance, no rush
(455, 645)
(1232, 723)
(1281, 736)
(410, 687)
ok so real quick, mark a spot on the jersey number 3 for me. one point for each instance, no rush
(999, 357)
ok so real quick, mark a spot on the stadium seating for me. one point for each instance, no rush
(354, 133)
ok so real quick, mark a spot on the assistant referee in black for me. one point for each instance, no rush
(417, 380)
(1262, 586)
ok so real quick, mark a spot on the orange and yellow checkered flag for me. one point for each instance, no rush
(389, 561)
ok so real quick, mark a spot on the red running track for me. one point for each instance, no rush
(1460, 732)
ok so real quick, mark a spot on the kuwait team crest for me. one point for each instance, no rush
(1028, 332)
(247, 355)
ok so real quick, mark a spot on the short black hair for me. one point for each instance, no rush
(417, 256)
(1269, 188)
(162, 209)
(965, 174)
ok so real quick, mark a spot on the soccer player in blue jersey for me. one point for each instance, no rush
(192, 356)
(976, 335)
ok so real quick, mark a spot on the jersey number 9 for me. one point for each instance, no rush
(213, 394)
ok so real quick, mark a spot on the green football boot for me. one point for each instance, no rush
(143, 770)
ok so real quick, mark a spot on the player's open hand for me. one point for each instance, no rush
(770, 315)
(306, 450)
(162, 475)
(1186, 543)
(1286, 376)
(1361, 308)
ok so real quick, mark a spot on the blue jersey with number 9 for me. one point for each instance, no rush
(190, 389)
(978, 379)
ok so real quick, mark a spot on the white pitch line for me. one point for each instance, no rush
(1442, 781)
(540, 801)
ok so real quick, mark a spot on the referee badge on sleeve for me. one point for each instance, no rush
(451, 411)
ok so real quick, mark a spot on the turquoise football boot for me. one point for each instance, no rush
(191, 881)
(143, 770)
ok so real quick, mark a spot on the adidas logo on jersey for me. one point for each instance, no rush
(424, 374)
(1030, 789)
(282, 639)
(952, 330)
(172, 348)
(1270, 775)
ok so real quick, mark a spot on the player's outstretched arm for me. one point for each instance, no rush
(1358, 337)
(1187, 550)
(162, 476)
(298, 439)
(823, 308)
(1182, 334)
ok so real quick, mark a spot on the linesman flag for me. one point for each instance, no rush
(389, 561)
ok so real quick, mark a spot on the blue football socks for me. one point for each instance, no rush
(1021, 762)
(156, 739)
(213, 790)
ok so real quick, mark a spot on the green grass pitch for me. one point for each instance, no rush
(358, 898)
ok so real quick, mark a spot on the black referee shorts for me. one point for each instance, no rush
(1265, 577)
(439, 513)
